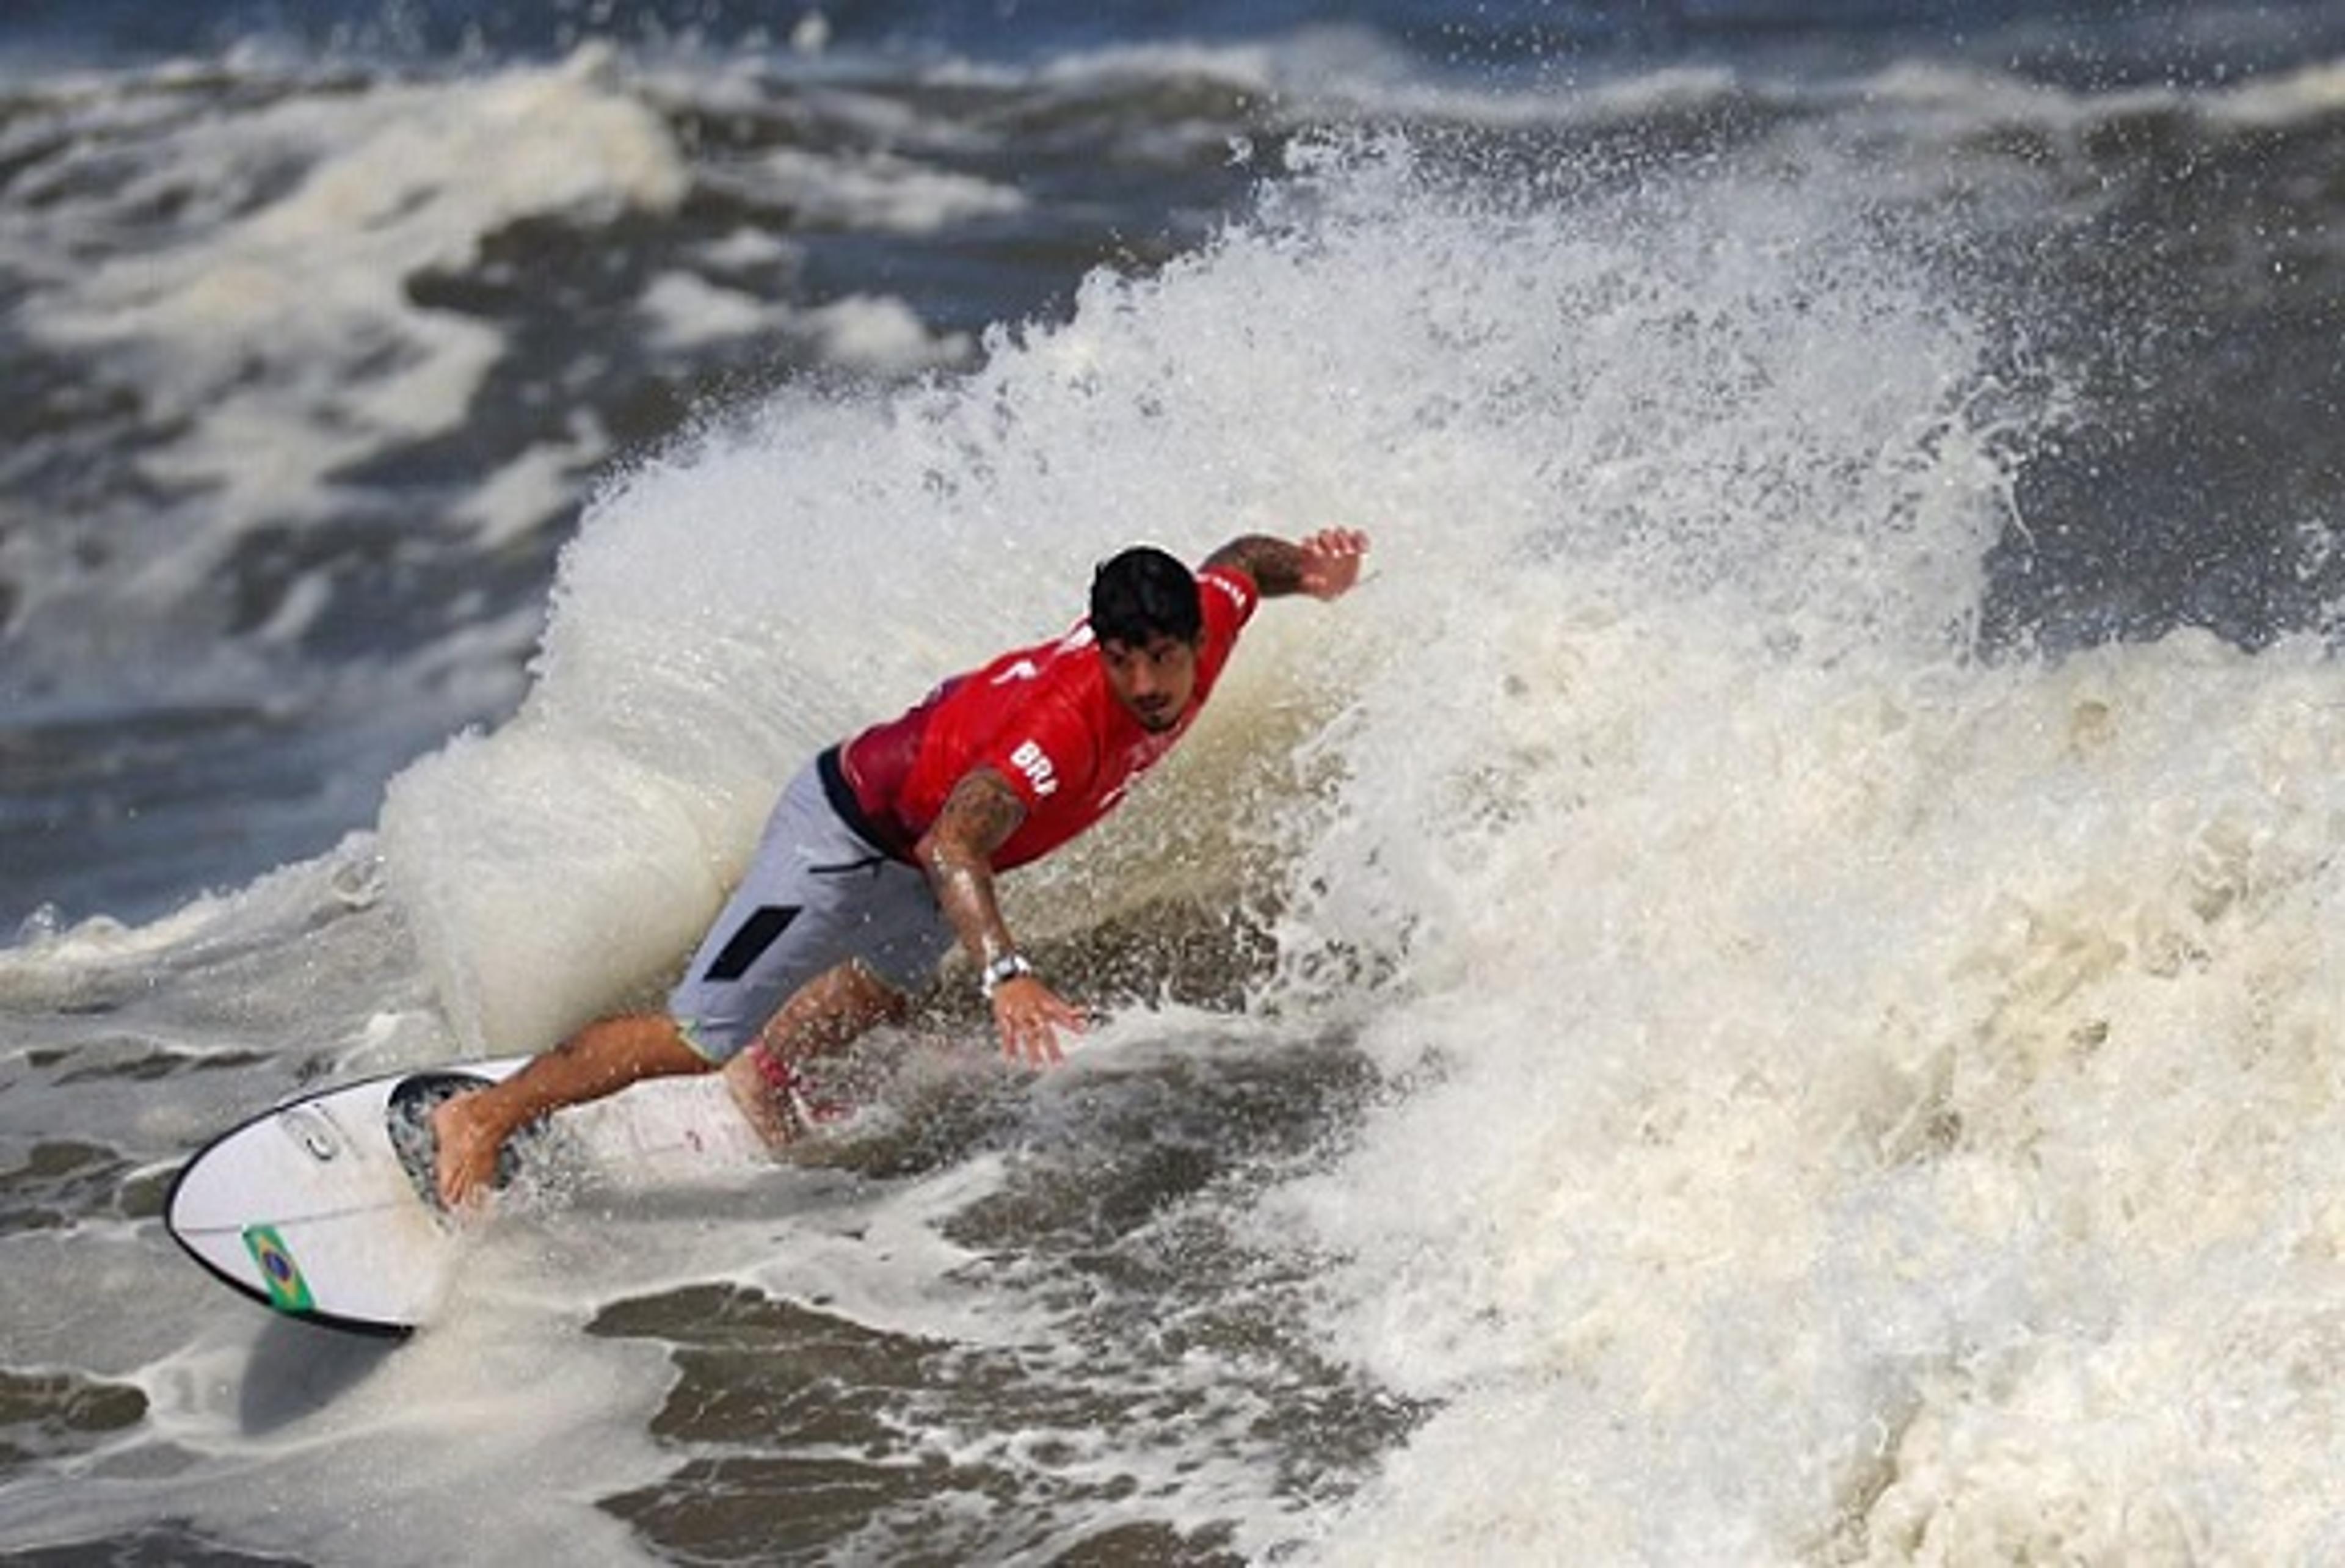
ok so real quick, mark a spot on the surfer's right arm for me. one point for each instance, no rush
(956, 853)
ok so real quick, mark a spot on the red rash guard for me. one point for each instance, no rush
(1042, 717)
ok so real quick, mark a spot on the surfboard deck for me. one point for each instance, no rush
(320, 1208)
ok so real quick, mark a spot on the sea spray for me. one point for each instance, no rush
(1776, 1076)
(1835, 1059)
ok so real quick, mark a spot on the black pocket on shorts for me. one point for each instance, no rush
(758, 933)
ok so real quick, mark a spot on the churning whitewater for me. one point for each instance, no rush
(1759, 993)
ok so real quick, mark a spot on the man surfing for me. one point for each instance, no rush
(883, 851)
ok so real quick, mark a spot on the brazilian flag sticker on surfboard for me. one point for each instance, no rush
(287, 1292)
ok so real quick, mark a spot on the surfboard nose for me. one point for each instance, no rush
(308, 1209)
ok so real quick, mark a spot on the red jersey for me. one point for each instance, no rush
(1044, 719)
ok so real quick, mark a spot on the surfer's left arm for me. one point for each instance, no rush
(1324, 566)
(957, 852)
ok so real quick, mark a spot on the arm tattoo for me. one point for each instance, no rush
(980, 814)
(957, 852)
(1276, 566)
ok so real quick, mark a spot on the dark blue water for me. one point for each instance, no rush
(2106, 43)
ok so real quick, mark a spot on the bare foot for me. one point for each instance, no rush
(466, 1162)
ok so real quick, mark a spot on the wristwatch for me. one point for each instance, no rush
(1009, 966)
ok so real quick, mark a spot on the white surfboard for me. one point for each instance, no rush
(319, 1210)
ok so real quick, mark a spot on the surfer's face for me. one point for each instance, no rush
(1153, 680)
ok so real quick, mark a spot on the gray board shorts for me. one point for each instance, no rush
(816, 894)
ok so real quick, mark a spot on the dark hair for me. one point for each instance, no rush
(1142, 594)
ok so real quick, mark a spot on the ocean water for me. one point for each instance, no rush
(1761, 993)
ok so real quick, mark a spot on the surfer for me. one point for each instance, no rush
(882, 852)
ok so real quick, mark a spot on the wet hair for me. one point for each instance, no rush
(1142, 594)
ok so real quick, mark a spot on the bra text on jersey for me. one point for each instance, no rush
(1035, 763)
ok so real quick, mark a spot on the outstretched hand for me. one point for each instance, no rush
(1029, 1016)
(1331, 561)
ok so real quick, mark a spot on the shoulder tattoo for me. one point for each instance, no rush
(981, 813)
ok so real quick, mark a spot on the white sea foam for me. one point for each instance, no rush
(542, 484)
(281, 336)
(1875, 1104)
(878, 190)
(746, 247)
(1921, 1078)
(688, 311)
(861, 333)
(2312, 94)
(1863, 1104)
